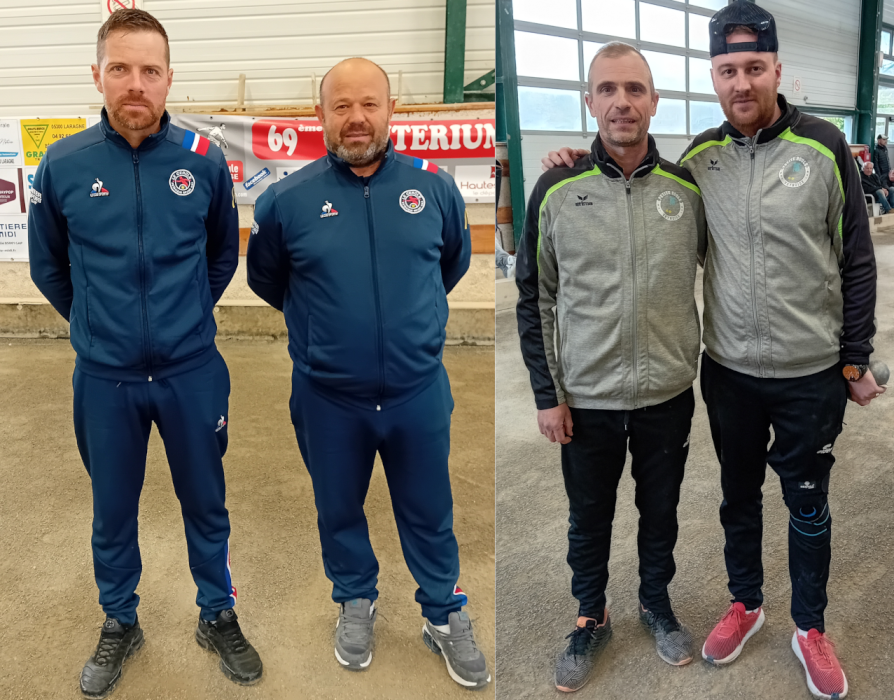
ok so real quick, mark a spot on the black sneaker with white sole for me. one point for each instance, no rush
(465, 662)
(673, 640)
(102, 671)
(238, 659)
(354, 634)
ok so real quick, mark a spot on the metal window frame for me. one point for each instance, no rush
(581, 36)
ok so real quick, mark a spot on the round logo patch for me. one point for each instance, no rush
(795, 172)
(412, 201)
(182, 182)
(670, 205)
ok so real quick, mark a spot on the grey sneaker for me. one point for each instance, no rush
(465, 662)
(574, 666)
(354, 634)
(672, 639)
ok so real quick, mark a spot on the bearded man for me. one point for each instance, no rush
(133, 235)
(359, 250)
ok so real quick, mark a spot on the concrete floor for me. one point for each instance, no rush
(49, 617)
(535, 609)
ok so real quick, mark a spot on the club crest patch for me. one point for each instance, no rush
(795, 172)
(670, 205)
(412, 201)
(182, 182)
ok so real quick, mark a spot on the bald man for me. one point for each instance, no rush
(359, 250)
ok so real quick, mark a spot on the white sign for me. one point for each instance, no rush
(14, 238)
(10, 142)
(797, 86)
(477, 183)
(107, 7)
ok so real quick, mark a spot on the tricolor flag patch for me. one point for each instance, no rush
(423, 164)
(458, 592)
(195, 143)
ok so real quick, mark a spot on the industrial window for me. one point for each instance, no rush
(556, 40)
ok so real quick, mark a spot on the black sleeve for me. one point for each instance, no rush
(858, 270)
(536, 275)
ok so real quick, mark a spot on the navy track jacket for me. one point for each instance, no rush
(361, 268)
(135, 247)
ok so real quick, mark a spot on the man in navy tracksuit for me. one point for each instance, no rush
(359, 250)
(133, 239)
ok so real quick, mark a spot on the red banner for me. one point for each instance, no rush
(302, 139)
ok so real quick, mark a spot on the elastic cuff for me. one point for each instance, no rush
(441, 618)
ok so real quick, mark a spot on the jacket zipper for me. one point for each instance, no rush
(147, 356)
(375, 274)
(633, 263)
(760, 367)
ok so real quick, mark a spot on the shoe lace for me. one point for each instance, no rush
(822, 649)
(730, 622)
(232, 636)
(355, 631)
(667, 622)
(581, 638)
(463, 643)
(108, 646)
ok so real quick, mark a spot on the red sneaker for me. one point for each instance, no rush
(726, 640)
(817, 655)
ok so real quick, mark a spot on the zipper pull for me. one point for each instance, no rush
(378, 408)
(366, 191)
(150, 377)
(136, 158)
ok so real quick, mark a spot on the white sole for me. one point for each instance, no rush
(738, 650)
(813, 689)
(462, 681)
(363, 664)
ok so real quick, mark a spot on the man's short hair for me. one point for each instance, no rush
(616, 49)
(126, 21)
(354, 58)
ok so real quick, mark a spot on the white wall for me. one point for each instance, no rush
(46, 50)
(819, 42)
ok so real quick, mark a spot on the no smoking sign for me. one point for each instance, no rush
(107, 7)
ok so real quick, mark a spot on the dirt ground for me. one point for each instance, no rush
(49, 616)
(535, 609)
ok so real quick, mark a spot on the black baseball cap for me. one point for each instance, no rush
(743, 13)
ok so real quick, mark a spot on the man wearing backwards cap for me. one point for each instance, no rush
(789, 307)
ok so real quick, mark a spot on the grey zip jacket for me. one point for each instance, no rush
(606, 273)
(790, 271)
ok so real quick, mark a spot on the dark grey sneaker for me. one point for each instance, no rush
(574, 665)
(238, 659)
(672, 639)
(102, 671)
(465, 662)
(354, 634)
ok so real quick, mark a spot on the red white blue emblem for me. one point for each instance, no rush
(182, 182)
(412, 201)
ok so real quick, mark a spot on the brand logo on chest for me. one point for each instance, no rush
(182, 182)
(670, 205)
(795, 172)
(583, 201)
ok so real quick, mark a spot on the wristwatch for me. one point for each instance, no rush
(854, 373)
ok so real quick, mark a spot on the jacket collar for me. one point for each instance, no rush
(343, 167)
(602, 160)
(149, 142)
(790, 117)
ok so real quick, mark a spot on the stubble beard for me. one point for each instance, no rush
(762, 119)
(623, 141)
(359, 156)
(139, 124)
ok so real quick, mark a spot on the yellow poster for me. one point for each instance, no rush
(37, 134)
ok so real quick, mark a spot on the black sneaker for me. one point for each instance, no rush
(574, 666)
(103, 670)
(238, 659)
(673, 640)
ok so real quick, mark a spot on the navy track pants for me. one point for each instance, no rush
(339, 442)
(112, 424)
